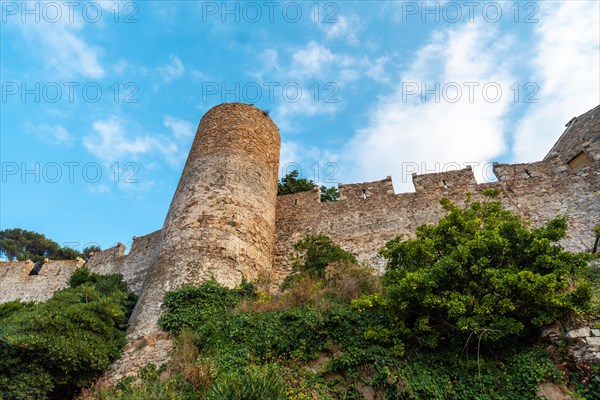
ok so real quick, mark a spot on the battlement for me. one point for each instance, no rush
(367, 190)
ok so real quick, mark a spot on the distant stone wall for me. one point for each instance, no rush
(132, 266)
(16, 283)
(369, 214)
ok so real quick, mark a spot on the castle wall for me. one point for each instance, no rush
(16, 283)
(369, 214)
(132, 266)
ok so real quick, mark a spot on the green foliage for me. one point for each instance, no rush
(250, 383)
(151, 386)
(589, 386)
(87, 251)
(290, 184)
(314, 253)
(329, 194)
(54, 348)
(447, 376)
(480, 275)
(19, 244)
(194, 307)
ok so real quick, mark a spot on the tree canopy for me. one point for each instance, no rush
(20, 244)
(291, 183)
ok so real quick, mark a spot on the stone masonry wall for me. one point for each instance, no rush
(582, 134)
(16, 283)
(221, 222)
(369, 214)
(132, 266)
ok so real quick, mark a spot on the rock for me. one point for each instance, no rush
(593, 341)
(596, 332)
(579, 333)
(552, 391)
(553, 334)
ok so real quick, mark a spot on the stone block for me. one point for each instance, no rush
(593, 341)
(579, 333)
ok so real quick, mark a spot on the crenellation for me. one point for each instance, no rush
(456, 180)
(358, 192)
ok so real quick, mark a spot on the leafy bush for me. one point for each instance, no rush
(314, 253)
(251, 383)
(479, 275)
(445, 375)
(348, 280)
(54, 348)
(194, 306)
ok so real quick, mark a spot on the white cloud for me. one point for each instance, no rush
(181, 129)
(377, 70)
(110, 142)
(62, 46)
(345, 29)
(567, 71)
(172, 71)
(406, 135)
(55, 134)
(322, 74)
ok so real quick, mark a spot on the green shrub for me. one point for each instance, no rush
(193, 306)
(314, 253)
(250, 383)
(54, 348)
(445, 375)
(480, 275)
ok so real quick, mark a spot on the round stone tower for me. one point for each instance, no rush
(221, 222)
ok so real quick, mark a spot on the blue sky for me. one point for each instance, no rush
(100, 100)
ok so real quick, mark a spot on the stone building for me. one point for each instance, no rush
(226, 220)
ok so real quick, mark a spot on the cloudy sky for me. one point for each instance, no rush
(100, 100)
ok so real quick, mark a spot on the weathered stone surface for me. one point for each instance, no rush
(595, 332)
(132, 266)
(578, 333)
(16, 283)
(552, 333)
(592, 341)
(552, 391)
(221, 222)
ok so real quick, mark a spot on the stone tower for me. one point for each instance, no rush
(221, 222)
